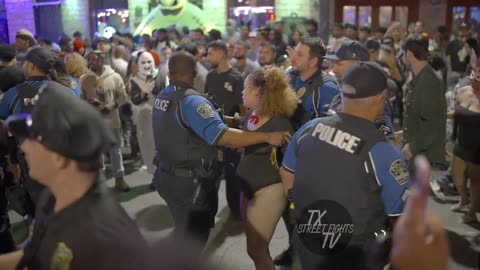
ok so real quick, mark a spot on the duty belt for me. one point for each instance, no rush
(180, 172)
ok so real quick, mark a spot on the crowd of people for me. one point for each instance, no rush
(321, 134)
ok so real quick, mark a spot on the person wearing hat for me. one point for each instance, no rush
(344, 197)
(254, 40)
(318, 93)
(105, 90)
(38, 65)
(24, 41)
(10, 73)
(351, 53)
(373, 46)
(77, 218)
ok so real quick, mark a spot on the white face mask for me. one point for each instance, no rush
(146, 65)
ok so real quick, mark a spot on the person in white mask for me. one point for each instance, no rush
(144, 88)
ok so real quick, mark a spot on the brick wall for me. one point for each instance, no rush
(75, 17)
(19, 16)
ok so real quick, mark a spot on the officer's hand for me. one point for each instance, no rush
(419, 240)
(278, 138)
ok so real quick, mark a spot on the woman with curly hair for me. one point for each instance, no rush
(271, 101)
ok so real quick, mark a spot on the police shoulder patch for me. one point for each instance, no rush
(399, 171)
(205, 111)
(62, 257)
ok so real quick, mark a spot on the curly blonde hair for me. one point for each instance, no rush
(278, 97)
(76, 65)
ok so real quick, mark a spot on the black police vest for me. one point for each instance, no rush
(309, 93)
(177, 145)
(333, 163)
(27, 91)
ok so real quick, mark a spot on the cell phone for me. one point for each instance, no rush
(149, 77)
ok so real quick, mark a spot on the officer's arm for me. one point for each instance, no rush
(198, 114)
(328, 93)
(287, 179)
(390, 170)
(236, 138)
(289, 162)
(10, 260)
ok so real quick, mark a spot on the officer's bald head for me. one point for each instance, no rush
(182, 67)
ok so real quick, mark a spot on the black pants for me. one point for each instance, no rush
(191, 221)
(7, 243)
(233, 182)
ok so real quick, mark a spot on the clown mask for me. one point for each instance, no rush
(146, 66)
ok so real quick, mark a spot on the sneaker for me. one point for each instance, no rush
(121, 185)
(285, 258)
(437, 190)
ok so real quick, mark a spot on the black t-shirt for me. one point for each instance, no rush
(226, 89)
(452, 50)
(259, 165)
(92, 233)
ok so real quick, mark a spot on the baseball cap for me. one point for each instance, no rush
(103, 39)
(41, 57)
(364, 80)
(349, 50)
(64, 124)
(26, 35)
(372, 44)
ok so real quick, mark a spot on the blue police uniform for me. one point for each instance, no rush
(11, 101)
(186, 129)
(344, 159)
(318, 94)
(385, 123)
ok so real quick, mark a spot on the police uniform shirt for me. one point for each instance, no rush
(7, 106)
(384, 124)
(92, 233)
(387, 162)
(199, 114)
(226, 89)
(328, 92)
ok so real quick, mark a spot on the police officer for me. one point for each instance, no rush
(38, 64)
(77, 219)
(318, 93)
(350, 53)
(343, 178)
(225, 85)
(186, 130)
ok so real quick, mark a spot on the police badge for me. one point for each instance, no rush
(205, 111)
(62, 257)
(399, 171)
(301, 92)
